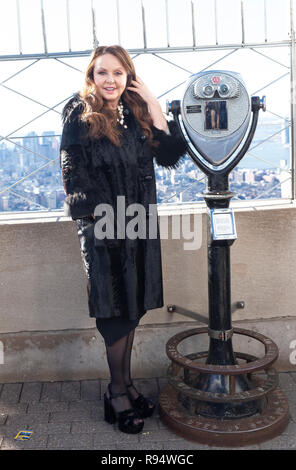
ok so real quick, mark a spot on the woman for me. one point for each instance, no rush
(112, 131)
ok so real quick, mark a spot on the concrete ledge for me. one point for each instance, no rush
(46, 331)
(44, 216)
(80, 354)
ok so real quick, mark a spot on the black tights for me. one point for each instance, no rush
(119, 361)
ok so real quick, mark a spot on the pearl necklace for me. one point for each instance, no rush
(120, 118)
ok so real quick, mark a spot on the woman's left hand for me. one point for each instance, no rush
(138, 86)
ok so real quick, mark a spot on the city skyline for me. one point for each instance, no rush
(44, 190)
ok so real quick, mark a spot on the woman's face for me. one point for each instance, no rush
(110, 78)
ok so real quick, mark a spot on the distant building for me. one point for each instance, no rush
(51, 199)
(173, 176)
(45, 149)
(31, 142)
(249, 176)
(268, 178)
(5, 203)
(285, 178)
(46, 139)
(286, 132)
(237, 176)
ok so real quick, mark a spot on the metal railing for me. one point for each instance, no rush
(197, 45)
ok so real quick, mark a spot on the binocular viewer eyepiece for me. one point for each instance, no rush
(214, 116)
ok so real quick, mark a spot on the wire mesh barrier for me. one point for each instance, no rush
(42, 67)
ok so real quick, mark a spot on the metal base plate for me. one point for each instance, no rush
(225, 433)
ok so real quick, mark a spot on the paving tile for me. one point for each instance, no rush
(116, 437)
(143, 446)
(249, 447)
(85, 405)
(184, 445)
(293, 376)
(292, 411)
(70, 391)
(92, 427)
(124, 438)
(51, 428)
(164, 435)
(36, 441)
(3, 418)
(108, 448)
(280, 443)
(11, 444)
(97, 414)
(68, 417)
(31, 391)
(51, 391)
(11, 431)
(90, 389)
(47, 406)
(290, 429)
(70, 441)
(28, 419)
(10, 393)
(286, 381)
(13, 408)
(290, 394)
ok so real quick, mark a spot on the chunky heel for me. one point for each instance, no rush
(126, 419)
(109, 414)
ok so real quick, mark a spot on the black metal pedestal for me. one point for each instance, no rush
(222, 400)
(220, 327)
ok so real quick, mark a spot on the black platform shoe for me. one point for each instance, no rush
(126, 419)
(142, 405)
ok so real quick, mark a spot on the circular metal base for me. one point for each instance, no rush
(225, 433)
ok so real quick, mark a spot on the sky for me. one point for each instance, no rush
(50, 81)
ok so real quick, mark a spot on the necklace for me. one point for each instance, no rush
(120, 118)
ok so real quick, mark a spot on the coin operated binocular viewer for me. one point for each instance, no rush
(216, 396)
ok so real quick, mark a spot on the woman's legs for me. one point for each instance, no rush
(119, 361)
(116, 357)
(127, 366)
(146, 406)
(127, 357)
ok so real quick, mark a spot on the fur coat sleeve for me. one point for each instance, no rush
(171, 146)
(80, 198)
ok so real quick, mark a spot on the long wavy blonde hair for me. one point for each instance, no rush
(100, 119)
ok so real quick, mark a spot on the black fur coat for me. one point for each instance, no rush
(124, 273)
